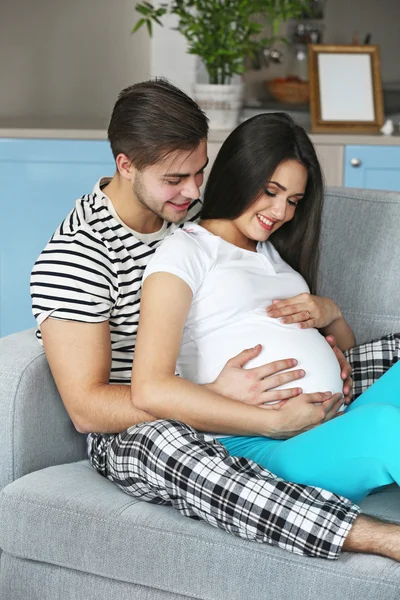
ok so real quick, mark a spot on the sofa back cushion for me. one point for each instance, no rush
(360, 259)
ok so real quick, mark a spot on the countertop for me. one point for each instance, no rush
(33, 128)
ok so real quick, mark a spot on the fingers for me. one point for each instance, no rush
(241, 359)
(348, 390)
(274, 367)
(278, 304)
(331, 340)
(274, 406)
(279, 395)
(319, 397)
(334, 404)
(309, 324)
(346, 371)
(274, 381)
(343, 362)
(284, 311)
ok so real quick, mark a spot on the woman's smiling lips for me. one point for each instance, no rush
(265, 223)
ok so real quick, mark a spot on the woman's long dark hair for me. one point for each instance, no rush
(246, 161)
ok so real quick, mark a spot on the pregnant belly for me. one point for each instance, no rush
(202, 361)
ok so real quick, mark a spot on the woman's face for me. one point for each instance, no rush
(277, 203)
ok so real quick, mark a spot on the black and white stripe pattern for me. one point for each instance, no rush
(91, 271)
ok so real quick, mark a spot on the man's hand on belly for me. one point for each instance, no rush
(256, 386)
(305, 412)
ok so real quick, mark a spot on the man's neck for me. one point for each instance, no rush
(130, 211)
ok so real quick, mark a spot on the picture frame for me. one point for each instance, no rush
(345, 88)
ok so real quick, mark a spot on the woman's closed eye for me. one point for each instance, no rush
(272, 195)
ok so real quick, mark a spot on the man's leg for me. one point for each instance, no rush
(373, 536)
(371, 360)
(167, 462)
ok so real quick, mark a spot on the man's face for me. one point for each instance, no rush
(168, 187)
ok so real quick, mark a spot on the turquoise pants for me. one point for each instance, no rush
(351, 455)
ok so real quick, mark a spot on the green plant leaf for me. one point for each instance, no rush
(224, 32)
(138, 25)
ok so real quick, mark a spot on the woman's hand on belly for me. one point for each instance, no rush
(345, 369)
(255, 386)
(305, 309)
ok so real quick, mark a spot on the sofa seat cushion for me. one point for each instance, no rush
(71, 517)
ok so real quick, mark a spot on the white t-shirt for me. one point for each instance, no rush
(231, 289)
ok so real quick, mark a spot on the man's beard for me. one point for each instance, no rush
(143, 198)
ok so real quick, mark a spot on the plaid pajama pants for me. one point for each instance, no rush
(168, 462)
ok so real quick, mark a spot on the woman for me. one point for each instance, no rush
(257, 246)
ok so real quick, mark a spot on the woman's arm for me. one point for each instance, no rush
(165, 303)
(343, 333)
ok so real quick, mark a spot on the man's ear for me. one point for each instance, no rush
(125, 167)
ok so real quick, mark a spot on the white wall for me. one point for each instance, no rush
(344, 18)
(68, 59)
(169, 57)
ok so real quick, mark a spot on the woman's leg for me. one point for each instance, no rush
(350, 455)
(385, 390)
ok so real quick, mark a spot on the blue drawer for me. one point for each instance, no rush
(378, 168)
(41, 179)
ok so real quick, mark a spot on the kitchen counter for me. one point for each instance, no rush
(54, 128)
(83, 129)
(218, 136)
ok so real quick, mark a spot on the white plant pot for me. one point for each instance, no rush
(220, 102)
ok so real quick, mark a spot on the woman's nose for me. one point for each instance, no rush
(279, 209)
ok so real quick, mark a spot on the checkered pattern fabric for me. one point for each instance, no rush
(167, 462)
(371, 360)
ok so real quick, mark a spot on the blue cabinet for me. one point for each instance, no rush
(40, 181)
(373, 167)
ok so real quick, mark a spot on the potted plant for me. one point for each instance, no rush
(222, 33)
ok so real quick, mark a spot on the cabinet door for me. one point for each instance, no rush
(331, 160)
(373, 167)
(41, 179)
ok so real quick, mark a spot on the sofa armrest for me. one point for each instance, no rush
(35, 429)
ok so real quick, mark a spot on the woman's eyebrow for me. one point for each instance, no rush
(281, 187)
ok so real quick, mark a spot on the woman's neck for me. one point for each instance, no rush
(228, 231)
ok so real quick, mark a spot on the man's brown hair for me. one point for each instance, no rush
(153, 118)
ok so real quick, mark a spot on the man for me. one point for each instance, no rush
(86, 297)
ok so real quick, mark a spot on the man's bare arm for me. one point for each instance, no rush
(79, 355)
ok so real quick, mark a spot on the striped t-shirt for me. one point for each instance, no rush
(91, 271)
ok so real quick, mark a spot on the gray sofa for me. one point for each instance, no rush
(66, 533)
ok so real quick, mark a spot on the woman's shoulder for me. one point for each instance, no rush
(194, 239)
